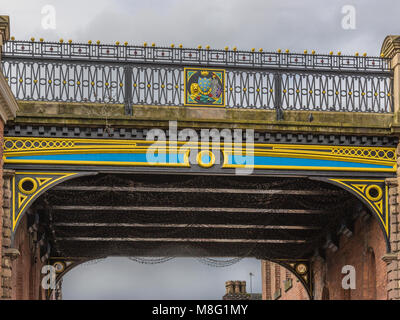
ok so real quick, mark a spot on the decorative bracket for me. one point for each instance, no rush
(26, 187)
(62, 266)
(374, 194)
(302, 269)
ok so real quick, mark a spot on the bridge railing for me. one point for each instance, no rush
(143, 75)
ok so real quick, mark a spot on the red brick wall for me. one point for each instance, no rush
(274, 277)
(26, 276)
(363, 250)
(1, 203)
(266, 280)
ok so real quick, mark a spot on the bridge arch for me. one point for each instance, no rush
(75, 187)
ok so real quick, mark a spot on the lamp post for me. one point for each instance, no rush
(251, 287)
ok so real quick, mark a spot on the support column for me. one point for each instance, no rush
(8, 109)
(391, 49)
(392, 258)
(8, 253)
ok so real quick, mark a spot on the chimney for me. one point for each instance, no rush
(243, 287)
(229, 287)
(238, 284)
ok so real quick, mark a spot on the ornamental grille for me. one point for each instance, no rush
(130, 75)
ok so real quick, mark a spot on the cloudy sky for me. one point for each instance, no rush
(181, 278)
(268, 24)
(320, 25)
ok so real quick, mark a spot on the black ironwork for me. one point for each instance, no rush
(60, 131)
(188, 56)
(133, 75)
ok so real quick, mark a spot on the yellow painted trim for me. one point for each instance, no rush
(256, 153)
(380, 214)
(200, 161)
(318, 156)
(112, 163)
(21, 182)
(141, 146)
(380, 192)
(227, 165)
(16, 218)
(137, 144)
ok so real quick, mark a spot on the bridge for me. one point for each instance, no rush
(146, 151)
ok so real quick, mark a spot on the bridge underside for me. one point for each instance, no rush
(192, 215)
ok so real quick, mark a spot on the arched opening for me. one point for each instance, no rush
(370, 275)
(176, 279)
(208, 216)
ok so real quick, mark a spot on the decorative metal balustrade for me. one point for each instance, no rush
(142, 75)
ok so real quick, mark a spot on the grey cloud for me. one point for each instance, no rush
(181, 278)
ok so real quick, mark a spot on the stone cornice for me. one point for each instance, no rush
(8, 104)
(390, 46)
(4, 28)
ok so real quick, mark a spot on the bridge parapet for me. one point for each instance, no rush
(176, 76)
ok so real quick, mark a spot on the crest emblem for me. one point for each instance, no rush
(204, 84)
(204, 87)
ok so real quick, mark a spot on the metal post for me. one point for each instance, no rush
(251, 287)
(128, 90)
(278, 96)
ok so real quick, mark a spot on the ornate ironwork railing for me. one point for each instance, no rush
(134, 75)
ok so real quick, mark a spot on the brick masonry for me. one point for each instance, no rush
(7, 254)
(26, 280)
(1, 205)
(280, 284)
(365, 250)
